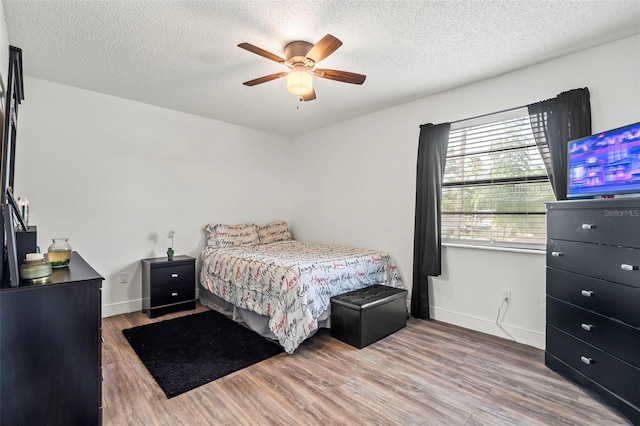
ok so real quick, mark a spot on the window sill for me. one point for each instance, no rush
(540, 251)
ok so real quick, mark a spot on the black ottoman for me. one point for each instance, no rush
(364, 316)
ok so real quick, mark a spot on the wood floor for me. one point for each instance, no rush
(428, 373)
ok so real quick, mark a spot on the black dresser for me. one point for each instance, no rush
(50, 349)
(593, 297)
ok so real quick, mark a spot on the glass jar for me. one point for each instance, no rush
(59, 253)
(35, 267)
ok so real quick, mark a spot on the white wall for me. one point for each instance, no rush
(4, 64)
(4, 53)
(356, 182)
(115, 176)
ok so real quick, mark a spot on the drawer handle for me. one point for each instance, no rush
(556, 253)
(174, 275)
(588, 226)
(174, 294)
(626, 267)
(586, 327)
(587, 293)
(586, 360)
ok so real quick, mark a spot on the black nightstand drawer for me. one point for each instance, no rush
(609, 371)
(618, 264)
(617, 301)
(167, 295)
(170, 274)
(619, 339)
(615, 225)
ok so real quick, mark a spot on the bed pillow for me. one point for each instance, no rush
(221, 235)
(273, 232)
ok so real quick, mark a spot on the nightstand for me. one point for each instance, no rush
(168, 285)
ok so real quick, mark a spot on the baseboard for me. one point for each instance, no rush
(112, 309)
(520, 335)
(121, 308)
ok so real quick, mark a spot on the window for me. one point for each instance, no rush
(495, 183)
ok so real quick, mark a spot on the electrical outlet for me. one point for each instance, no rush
(506, 294)
(124, 277)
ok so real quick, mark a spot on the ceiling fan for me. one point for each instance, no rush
(301, 59)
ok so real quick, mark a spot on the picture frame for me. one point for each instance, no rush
(13, 96)
(16, 209)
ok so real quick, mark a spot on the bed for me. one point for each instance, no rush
(282, 287)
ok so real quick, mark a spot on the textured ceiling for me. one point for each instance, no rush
(184, 56)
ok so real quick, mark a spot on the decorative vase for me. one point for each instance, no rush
(59, 253)
(170, 253)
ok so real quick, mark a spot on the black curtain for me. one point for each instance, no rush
(432, 154)
(554, 123)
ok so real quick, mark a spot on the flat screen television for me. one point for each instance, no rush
(605, 164)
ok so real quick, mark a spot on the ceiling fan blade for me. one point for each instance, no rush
(309, 96)
(265, 78)
(343, 76)
(258, 51)
(325, 47)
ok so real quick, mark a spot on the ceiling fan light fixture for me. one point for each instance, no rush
(301, 58)
(299, 83)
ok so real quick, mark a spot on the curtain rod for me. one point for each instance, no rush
(486, 115)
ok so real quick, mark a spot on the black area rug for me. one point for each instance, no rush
(190, 351)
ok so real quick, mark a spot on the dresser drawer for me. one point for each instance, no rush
(609, 299)
(170, 274)
(618, 264)
(166, 295)
(613, 337)
(606, 225)
(607, 370)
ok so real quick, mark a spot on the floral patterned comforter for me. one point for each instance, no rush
(292, 281)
